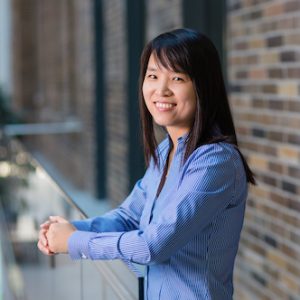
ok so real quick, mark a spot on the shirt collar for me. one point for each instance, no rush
(181, 140)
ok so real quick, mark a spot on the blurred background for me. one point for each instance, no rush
(70, 135)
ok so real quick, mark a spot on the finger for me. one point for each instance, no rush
(49, 236)
(42, 237)
(43, 249)
(50, 245)
(58, 219)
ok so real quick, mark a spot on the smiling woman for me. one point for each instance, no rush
(170, 98)
(185, 227)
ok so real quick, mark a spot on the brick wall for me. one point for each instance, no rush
(162, 16)
(264, 74)
(53, 67)
(23, 56)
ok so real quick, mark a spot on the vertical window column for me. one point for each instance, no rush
(135, 36)
(100, 120)
(208, 17)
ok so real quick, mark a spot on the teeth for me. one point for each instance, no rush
(164, 105)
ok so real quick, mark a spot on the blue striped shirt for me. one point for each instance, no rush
(187, 236)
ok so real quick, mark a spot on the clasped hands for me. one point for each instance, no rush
(54, 235)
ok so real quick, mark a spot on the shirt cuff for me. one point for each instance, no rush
(92, 245)
(78, 244)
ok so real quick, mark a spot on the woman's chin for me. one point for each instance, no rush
(161, 122)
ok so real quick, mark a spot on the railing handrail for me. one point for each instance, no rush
(69, 126)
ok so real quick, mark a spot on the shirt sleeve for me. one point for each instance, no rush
(124, 218)
(207, 187)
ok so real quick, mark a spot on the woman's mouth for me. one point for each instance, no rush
(163, 106)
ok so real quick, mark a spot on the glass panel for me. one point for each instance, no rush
(114, 280)
(28, 196)
(93, 283)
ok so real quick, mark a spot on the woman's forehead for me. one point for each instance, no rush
(154, 62)
(162, 61)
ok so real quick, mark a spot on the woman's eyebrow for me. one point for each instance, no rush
(155, 69)
(151, 68)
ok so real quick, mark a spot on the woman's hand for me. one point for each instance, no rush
(58, 234)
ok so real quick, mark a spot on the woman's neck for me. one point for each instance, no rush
(175, 134)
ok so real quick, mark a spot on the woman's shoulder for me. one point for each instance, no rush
(220, 148)
(216, 161)
(216, 152)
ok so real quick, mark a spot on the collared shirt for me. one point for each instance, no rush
(187, 236)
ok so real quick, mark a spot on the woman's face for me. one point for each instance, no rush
(170, 98)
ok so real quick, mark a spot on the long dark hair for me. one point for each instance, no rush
(192, 53)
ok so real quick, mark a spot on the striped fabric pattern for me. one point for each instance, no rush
(187, 236)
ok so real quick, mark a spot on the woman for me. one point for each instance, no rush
(183, 218)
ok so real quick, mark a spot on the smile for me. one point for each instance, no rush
(164, 105)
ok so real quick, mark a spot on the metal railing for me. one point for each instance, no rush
(71, 126)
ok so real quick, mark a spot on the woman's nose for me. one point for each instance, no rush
(163, 89)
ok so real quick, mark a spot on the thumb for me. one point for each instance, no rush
(57, 219)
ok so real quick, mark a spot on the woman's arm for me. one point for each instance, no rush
(55, 232)
(207, 188)
(127, 216)
(124, 218)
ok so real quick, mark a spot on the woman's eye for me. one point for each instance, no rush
(151, 76)
(178, 79)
